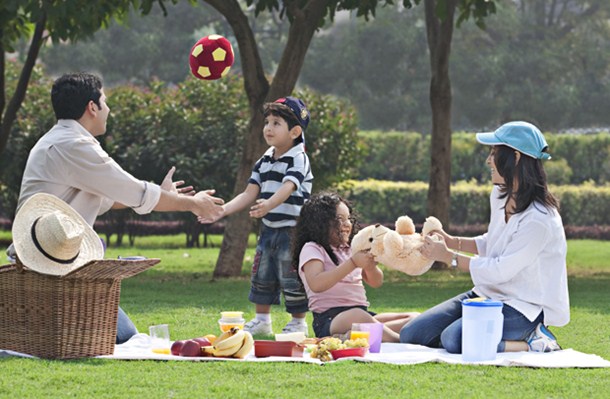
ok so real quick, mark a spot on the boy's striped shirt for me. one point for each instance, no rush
(269, 174)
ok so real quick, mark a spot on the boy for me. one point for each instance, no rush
(280, 183)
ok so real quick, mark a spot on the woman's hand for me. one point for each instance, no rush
(442, 233)
(434, 248)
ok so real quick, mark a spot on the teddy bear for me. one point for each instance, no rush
(397, 249)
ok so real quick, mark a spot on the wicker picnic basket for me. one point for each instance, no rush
(63, 317)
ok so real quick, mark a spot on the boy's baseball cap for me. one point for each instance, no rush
(298, 108)
(521, 136)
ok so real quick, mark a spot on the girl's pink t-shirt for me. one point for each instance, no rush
(347, 292)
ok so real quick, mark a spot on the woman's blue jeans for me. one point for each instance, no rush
(441, 326)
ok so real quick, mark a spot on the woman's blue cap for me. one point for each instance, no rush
(521, 136)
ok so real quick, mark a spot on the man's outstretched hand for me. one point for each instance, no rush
(207, 206)
(174, 187)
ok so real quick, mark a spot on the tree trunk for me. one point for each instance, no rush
(238, 227)
(439, 34)
(8, 116)
(304, 22)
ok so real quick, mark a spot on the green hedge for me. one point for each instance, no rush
(383, 201)
(405, 156)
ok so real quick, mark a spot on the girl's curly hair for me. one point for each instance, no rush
(317, 221)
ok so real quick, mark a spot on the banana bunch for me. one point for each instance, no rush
(233, 343)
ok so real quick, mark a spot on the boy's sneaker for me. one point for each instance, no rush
(295, 326)
(256, 326)
(542, 340)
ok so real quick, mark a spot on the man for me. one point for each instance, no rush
(69, 163)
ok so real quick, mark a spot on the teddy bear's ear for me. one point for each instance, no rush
(404, 225)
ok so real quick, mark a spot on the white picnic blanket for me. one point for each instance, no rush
(138, 348)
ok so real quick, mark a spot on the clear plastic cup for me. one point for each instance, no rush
(231, 319)
(358, 332)
(159, 337)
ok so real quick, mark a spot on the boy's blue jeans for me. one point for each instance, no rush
(273, 273)
(441, 326)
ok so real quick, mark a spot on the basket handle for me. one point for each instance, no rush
(20, 267)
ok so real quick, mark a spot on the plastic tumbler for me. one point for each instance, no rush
(358, 332)
(375, 334)
(159, 336)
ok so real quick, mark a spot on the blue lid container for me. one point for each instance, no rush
(481, 302)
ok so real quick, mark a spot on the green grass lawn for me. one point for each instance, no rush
(180, 292)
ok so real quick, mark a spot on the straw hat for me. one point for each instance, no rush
(50, 237)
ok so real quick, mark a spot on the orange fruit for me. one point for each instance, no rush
(210, 337)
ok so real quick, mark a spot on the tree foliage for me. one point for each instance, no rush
(48, 19)
(139, 48)
(555, 74)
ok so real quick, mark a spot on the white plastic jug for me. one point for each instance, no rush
(482, 322)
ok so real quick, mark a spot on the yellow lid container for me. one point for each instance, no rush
(231, 319)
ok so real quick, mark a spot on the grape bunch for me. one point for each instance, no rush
(322, 349)
(356, 343)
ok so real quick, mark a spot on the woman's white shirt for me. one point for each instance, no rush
(523, 262)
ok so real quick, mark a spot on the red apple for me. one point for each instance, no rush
(190, 349)
(202, 341)
(176, 346)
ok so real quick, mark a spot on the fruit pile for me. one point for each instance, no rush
(232, 343)
(322, 349)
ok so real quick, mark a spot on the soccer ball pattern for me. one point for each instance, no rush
(211, 57)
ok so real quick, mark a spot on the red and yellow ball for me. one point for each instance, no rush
(211, 57)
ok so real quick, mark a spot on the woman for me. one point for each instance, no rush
(521, 259)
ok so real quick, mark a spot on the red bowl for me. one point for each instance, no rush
(349, 352)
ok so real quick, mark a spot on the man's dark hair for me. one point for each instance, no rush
(72, 92)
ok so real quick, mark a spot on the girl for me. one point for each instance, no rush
(521, 259)
(332, 275)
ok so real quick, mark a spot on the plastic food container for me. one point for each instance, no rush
(349, 352)
(229, 320)
(296, 337)
(264, 348)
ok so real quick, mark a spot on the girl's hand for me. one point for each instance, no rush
(434, 248)
(364, 260)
